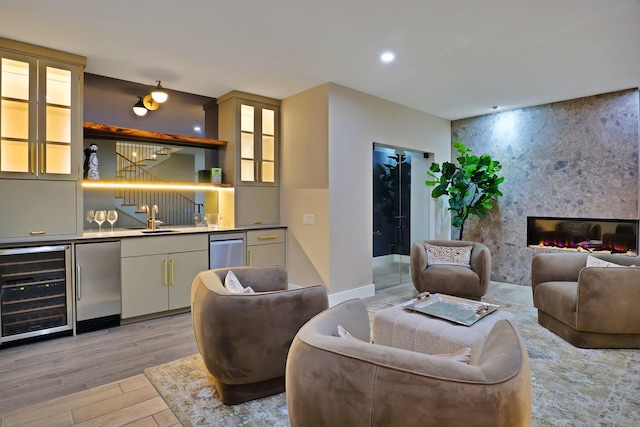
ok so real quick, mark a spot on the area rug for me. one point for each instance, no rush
(571, 386)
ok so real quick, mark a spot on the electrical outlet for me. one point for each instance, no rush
(308, 219)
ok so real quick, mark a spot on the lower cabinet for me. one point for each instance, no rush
(266, 247)
(157, 272)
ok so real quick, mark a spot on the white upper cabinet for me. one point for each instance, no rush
(250, 124)
(40, 112)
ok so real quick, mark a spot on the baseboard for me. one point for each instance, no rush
(334, 299)
(361, 292)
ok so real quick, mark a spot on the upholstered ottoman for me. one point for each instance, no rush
(401, 328)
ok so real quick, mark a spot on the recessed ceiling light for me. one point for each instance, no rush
(387, 57)
(197, 128)
(496, 107)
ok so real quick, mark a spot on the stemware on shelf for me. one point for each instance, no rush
(90, 217)
(100, 217)
(112, 217)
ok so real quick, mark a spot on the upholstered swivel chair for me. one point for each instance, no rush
(244, 338)
(589, 304)
(470, 281)
(333, 381)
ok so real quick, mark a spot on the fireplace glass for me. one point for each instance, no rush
(617, 236)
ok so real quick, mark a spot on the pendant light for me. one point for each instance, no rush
(139, 107)
(159, 94)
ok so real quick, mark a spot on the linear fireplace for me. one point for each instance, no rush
(618, 236)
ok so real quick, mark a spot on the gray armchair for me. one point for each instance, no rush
(454, 280)
(244, 338)
(333, 381)
(590, 307)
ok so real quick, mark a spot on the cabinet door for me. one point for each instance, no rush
(183, 268)
(259, 255)
(40, 128)
(258, 140)
(38, 208)
(266, 247)
(257, 205)
(145, 280)
(18, 115)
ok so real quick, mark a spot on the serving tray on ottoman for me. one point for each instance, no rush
(458, 310)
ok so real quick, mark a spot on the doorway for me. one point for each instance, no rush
(400, 211)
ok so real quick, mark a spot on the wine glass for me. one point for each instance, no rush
(90, 217)
(100, 217)
(112, 217)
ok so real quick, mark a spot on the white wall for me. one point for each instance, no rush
(327, 140)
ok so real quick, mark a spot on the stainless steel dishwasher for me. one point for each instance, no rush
(97, 286)
(226, 250)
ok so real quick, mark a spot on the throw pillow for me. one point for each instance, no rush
(248, 290)
(454, 255)
(463, 355)
(597, 262)
(232, 283)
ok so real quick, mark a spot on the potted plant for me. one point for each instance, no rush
(472, 184)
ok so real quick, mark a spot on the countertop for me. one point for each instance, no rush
(119, 233)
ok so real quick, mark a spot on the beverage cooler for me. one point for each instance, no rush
(35, 293)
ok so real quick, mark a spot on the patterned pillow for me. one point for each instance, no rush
(454, 255)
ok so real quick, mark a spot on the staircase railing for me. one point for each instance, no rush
(175, 208)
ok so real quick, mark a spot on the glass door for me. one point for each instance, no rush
(391, 216)
(402, 208)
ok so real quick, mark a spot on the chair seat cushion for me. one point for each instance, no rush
(452, 280)
(558, 300)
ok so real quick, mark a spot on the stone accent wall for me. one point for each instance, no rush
(576, 158)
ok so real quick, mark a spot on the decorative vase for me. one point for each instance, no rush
(93, 163)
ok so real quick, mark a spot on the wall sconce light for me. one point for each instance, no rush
(159, 94)
(139, 107)
(150, 102)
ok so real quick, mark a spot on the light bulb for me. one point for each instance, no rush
(139, 107)
(159, 95)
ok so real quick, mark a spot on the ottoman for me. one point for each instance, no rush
(400, 328)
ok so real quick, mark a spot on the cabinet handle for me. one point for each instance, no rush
(37, 233)
(78, 285)
(173, 274)
(41, 159)
(32, 154)
(250, 258)
(164, 270)
(267, 237)
(258, 222)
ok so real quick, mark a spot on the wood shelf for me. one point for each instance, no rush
(97, 130)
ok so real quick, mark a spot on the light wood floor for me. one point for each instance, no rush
(93, 378)
(96, 379)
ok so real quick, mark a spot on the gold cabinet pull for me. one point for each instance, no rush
(258, 222)
(32, 155)
(37, 233)
(164, 270)
(173, 274)
(267, 237)
(250, 258)
(41, 159)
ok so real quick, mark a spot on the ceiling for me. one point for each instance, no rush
(454, 59)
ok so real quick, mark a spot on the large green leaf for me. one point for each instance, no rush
(471, 184)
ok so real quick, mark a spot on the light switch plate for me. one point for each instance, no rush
(308, 219)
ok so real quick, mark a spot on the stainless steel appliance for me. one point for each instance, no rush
(35, 292)
(97, 288)
(226, 250)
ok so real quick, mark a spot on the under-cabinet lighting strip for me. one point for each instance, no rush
(152, 186)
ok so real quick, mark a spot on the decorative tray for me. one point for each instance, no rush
(459, 310)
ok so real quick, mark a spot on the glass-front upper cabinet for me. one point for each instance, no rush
(250, 123)
(40, 117)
